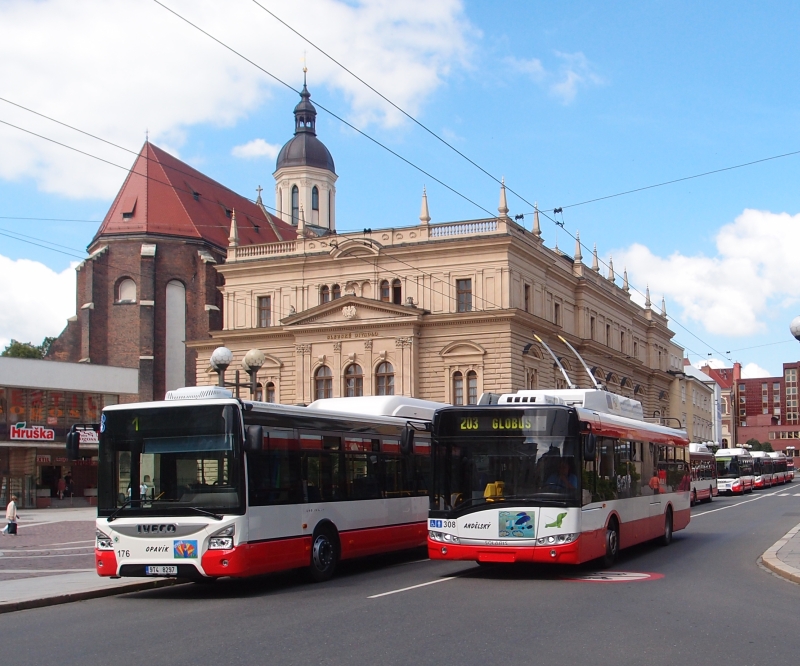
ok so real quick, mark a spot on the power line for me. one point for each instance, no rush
(46, 219)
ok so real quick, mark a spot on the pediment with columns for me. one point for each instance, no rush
(353, 310)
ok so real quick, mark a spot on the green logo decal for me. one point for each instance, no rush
(557, 521)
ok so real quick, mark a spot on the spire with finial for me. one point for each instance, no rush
(647, 297)
(537, 230)
(611, 276)
(578, 255)
(305, 114)
(233, 238)
(503, 207)
(625, 286)
(595, 260)
(259, 189)
(424, 215)
(663, 307)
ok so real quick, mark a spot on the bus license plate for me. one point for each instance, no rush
(161, 571)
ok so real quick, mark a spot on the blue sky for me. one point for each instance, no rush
(568, 102)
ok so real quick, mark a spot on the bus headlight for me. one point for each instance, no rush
(104, 541)
(557, 539)
(223, 539)
(446, 538)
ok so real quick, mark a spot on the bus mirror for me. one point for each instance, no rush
(590, 447)
(253, 438)
(73, 445)
(407, 441)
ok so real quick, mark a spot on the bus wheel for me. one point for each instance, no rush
(666, 540)
(324, 554)
(612, 543)
(693, 500)
(710, 494)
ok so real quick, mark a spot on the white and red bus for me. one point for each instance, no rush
(703, 468)
(562, 476)
(789, 469)
(735, 471)
(203, 485)
(779, 471)
(763, 470)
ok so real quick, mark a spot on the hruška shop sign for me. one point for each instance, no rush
(34, 433)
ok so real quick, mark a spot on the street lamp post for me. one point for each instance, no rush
(222, 357)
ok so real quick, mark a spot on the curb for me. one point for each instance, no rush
(771, 560)
(12, 606)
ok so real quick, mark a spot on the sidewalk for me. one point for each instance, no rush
(51, 561)
(783, 557)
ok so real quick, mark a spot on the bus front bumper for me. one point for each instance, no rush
(559, 554)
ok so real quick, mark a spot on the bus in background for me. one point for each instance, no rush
(203, 485)
(734, 471)
(779, 472)
(762, 470)
(789, 469)
(563, 476)
(703, 467)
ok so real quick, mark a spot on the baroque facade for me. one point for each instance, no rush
(441, 312)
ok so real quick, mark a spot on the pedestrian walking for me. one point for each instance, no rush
(11, 517)
(62, 486)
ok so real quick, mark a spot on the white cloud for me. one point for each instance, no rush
(116, 68)
(753, 371)
(711, 362)
(573, 72)
(733, 291)
(256, 148)
(35, 301)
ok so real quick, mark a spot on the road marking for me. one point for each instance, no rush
(784, 495)
(413, 587)
(66, 543)
(731, 506)
(614, 577)
(797, 494)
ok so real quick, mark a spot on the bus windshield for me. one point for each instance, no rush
(172, 460)
(728, 468)
(494, 455)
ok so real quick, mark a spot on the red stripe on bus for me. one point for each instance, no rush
(253, 559)
(358, 543)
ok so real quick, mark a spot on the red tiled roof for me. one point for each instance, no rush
(164, 196)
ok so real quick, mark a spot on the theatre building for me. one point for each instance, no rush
(39, 402)
(440, 311)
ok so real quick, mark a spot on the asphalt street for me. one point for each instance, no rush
(708, 601)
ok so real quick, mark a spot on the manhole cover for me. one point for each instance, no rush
(615, 577)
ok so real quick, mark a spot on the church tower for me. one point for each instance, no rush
(305, 190)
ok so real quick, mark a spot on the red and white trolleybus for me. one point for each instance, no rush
(560, 476)
(703, 468)
(203, 485)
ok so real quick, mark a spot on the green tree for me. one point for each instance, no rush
(754, 444)
(766, 446)
(17, 349)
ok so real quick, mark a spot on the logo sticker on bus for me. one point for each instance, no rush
(184, 549)
(516, 525)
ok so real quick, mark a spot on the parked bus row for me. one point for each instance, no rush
(203, 485)
(741, 471)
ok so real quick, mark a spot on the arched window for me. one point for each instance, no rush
(295, 205)
(270, 394)
(353, 381)
(315, 198)
(385, 293)
(324, 294)
(337, 291)
(458, 388)
(397, 292)
(323, 383)
(472, 388)
(126, 291)
(385, 379)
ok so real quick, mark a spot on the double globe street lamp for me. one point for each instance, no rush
(222, 357)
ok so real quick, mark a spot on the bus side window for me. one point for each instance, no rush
(606, 477)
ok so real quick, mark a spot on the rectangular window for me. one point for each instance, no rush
(591, 328)
(622, 341)
(608, 335)
(264, 311)
(527, 298)
(557, 314)
(464, 295)
(635, 349)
